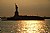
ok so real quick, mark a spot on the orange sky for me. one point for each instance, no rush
(25, 7)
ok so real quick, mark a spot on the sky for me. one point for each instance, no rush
(25, 7)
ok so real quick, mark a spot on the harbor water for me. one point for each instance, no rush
(25, 26)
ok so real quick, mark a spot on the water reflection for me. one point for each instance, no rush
(31, 26)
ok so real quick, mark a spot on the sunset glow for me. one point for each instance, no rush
(31, 26)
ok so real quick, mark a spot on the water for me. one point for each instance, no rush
(25, 26)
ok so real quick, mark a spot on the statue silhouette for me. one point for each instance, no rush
(16, 12)
(18, 17)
